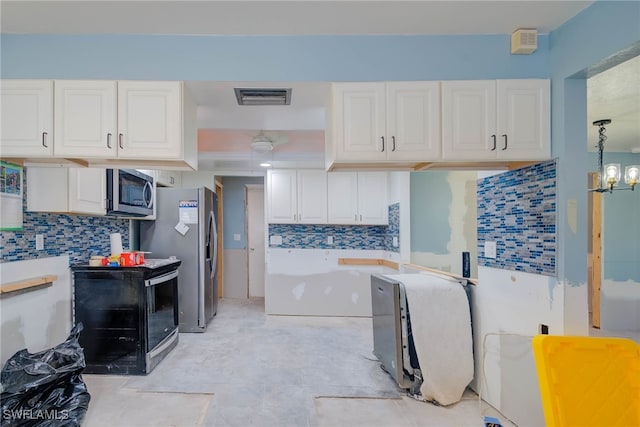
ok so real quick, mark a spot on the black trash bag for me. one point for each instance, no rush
(45, 389)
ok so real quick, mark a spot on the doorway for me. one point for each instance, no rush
(255, 240)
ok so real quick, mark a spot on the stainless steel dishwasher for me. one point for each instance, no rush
(392, 338)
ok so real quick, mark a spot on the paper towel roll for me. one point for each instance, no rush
(116, 243)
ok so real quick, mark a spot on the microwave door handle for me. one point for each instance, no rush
(148, 187)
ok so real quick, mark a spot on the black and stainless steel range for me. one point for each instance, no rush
(130, 315)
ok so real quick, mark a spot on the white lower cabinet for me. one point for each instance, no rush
(67, 190)
(357, 198)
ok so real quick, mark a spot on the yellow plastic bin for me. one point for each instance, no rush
(588, 381)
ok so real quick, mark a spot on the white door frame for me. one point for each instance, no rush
(255, 232)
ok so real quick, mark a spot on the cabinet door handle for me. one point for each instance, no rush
(393, 142)
(120, 144)
(355, 217)
(171, 179)
(505, 142)
(360, 218)
(382, 138)
(494, 143)
(109, 140)
(44, 139)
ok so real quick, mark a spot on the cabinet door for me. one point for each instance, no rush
(27, 118)
(312, 196)
(281, 196)
(372, 198)
(469, 120)
(170, 178)
(359, 110)
(413, 121)
(524, 117)
(85, 118)
(342, 197)
(48, 189)
(87, 190)
(149, 120)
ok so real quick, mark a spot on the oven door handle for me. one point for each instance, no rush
(160, 279)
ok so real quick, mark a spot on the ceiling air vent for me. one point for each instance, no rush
(258, 96)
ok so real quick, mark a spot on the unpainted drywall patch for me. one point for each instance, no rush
(298, 291)
(59, 323)
(355, 297)
(572, 215)
(12, 336)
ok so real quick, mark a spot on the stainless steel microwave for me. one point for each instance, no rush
(129, 193)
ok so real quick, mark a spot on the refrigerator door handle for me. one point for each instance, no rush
(214, 228)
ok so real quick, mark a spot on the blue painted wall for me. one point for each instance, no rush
(304, 58)
(78, 236)
(620, 225)
(599, 37)
(234, 210)
(603, 32)
(430, 205)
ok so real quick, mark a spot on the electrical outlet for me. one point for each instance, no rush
(490, 250)
(275, 240)
(394, 241)
(329, 240)
(543, 329)
(39, 242)
(236, 237)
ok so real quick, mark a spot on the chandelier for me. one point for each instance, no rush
(610, 173)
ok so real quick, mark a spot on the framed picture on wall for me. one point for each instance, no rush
(10, 196)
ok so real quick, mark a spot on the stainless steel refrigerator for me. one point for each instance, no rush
(185, 228)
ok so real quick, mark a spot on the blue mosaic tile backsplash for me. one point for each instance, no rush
(78, 236)
(517, 210)
(362, 237)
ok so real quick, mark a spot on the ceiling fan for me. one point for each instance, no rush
(264, 142)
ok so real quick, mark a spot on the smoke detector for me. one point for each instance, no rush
(524, 41)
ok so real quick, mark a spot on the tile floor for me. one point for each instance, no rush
(250, 369)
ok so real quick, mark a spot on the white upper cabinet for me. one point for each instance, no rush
(357, 198)
(380, 122)
(282, 204)
(149, 120)
(312, 196)
(413, 121)
(26, 118)
(131, 124)
(169, 178)
(297, 196)
(85, 118)
(496, 120)
(67, 190)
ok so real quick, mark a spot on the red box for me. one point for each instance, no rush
(131, 259)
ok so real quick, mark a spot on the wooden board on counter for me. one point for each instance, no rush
(369, 261)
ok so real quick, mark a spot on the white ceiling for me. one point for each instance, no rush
(614, 93)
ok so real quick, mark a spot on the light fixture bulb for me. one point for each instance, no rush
(611, 174)
(632, 175)
(265, 164)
